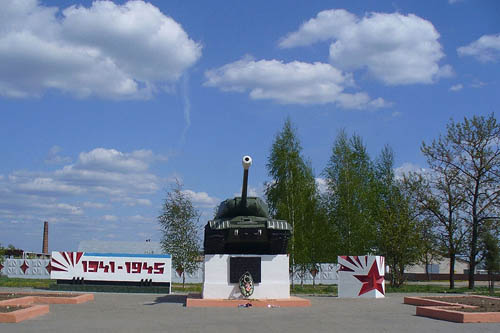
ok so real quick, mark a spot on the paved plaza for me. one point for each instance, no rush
(166, 313)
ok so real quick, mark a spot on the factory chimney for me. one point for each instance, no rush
(45, 246)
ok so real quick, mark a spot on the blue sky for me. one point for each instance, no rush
(103, 105)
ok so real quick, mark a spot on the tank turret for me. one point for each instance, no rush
(242, 225)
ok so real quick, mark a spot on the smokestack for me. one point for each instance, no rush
(45, 246)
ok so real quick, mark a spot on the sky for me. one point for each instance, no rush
(103, 105)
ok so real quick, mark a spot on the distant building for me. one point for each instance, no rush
(439, 266)
(96, 246)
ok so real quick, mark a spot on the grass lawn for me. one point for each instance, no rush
(319, 289)
(26, 283)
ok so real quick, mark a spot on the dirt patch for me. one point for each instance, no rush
(10, 308)
(4, 297)
(484, 304)
(15, 295)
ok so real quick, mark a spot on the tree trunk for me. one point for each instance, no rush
(427, 273)
(183, 279)
(491, 283)
(473, 251)
(452, 270)
(473, 245)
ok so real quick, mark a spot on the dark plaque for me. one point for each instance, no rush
(240, 265)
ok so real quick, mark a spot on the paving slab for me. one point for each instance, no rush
(167, 313)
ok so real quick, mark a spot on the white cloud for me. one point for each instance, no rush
(478, 84)
(111, 172)
(320, 28)
(110, 218)
(201, 199)
(456, 87)
(451, 2)
(106, 50)
(140, 218)
(394, 48)
(112, 160)
(53, 156)
(406, 168)
(62, 208)
(290, 83)
(251, 192)
(48, 185)
(485, 49)
(100, 174)
(132, 202)
(95, 205)
(322, 185)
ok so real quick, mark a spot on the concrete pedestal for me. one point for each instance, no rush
(361, 276)
(275, 283)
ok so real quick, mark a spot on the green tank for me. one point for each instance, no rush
(242, 226)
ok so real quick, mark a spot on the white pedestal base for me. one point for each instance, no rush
(361, 277)
(275, 282)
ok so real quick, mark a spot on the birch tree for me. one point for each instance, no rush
(399, 233)
(178, 221)
(292, 195)
(349, 197)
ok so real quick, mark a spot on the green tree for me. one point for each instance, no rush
(292, 195)
(471, 149)
(492, 258)
(440, 200)
(178, 220)
(399, 233)
(349, 198)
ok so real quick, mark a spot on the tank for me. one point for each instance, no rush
(242, 225)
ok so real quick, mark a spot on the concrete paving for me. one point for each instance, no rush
(166, 313)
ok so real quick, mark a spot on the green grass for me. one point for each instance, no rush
(26, 283)
(319, 289)
(188, 288)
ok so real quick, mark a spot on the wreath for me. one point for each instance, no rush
(246, 284)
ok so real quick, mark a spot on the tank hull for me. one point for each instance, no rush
(237, 239)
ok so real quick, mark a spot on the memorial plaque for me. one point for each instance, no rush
(240, 265)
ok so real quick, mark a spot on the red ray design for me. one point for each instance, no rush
(71, 258)
(349, 260)
(65, 256)
(57, 262)
(78, 256)
(359, 261)
(57, 269)
(373, 280)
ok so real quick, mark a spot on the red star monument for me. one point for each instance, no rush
(373, 280)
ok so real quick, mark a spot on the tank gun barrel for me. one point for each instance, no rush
(247, 162)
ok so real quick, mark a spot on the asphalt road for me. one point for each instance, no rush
(159, 313)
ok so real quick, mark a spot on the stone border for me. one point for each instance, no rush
(451, 311)
(34, 310)
(195, 301)
(30, 311)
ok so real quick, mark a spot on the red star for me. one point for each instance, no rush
(48, 267)
(24, 267)
(373, 280)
